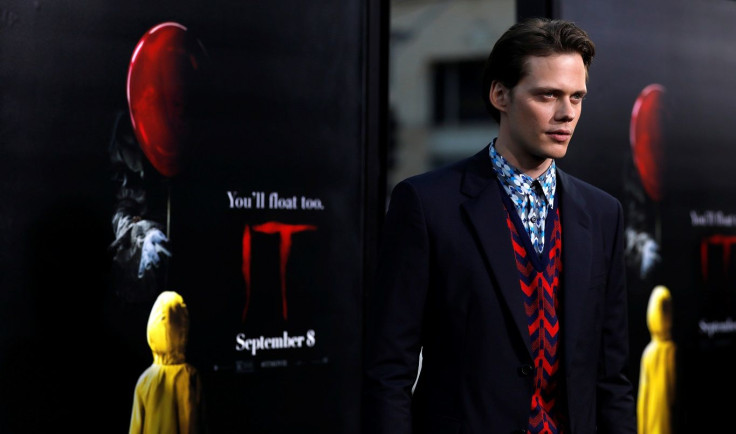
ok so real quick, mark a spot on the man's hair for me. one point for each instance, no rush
(531, 37)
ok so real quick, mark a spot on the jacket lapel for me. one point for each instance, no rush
(576, 261)
(487, 216)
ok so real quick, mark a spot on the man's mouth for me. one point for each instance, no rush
(559, 135)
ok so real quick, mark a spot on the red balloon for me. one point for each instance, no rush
(645, 134)
(162, 77)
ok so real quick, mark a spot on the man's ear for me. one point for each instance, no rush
(499, 95)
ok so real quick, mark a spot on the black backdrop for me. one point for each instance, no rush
(295, 106)
(687, 48)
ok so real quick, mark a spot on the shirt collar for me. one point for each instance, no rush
(519, 184)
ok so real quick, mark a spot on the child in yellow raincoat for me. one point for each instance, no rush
(657, 375)
(168, 394)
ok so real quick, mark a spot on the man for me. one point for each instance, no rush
(506, 273)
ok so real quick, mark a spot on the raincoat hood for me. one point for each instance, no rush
(168, 327)
(659, 313)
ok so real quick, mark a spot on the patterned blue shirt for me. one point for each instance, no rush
(532, 198)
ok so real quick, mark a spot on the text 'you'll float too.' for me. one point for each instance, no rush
(259, 200)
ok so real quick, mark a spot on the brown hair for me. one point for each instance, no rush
(531, 37)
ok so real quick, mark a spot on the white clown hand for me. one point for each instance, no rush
(152, 246)
(649, 256)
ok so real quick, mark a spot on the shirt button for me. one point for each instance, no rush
(533, 219)
(526, 370)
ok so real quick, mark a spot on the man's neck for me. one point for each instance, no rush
(528, 164)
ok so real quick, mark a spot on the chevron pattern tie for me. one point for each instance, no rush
(539, 285)
(537, 216)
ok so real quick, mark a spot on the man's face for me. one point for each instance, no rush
(540, 113)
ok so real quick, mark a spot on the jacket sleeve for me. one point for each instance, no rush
(615, 399)
(188, 400)
(138, 413)
(394, 316)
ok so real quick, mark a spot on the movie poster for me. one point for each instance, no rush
(183, 185)
(655, 132)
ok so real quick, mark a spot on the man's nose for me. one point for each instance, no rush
(565, 111)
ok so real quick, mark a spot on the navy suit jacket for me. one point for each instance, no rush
(447, 285)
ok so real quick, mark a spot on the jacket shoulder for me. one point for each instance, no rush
(593, 196)
(452, 178)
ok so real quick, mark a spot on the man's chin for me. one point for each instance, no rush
(554, 151)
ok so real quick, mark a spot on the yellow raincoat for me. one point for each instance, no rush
(657, 375)
(167, 397)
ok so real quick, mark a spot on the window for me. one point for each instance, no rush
(457, 92)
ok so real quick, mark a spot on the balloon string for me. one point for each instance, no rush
(168, 230)
(658, 225)
(168, 210)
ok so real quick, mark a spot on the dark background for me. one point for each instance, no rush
(289, 109)
(687, 47)
(296, 106)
